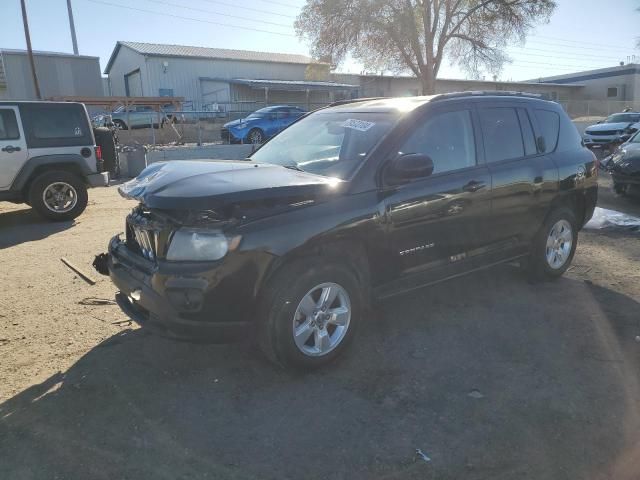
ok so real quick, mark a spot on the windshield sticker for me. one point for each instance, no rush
(360, 125)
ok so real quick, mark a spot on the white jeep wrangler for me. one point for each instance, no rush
(48, 157)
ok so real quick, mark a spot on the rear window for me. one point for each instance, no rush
(56, 125)
(549, 124)
(8, 125)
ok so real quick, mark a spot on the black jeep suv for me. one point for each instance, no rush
(356, 201)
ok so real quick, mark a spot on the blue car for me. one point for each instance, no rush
(261, 124)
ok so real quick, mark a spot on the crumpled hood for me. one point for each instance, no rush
(605, 127)
(210, 184)
(626, 160)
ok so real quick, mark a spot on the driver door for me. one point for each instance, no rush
(442, 218)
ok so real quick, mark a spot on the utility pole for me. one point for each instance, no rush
(29, 50)
(72, 26)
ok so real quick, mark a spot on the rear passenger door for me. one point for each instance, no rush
(13, 146)
(516, 169)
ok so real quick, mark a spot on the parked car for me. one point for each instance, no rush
(261, 124)
(354, 202)
(612, 131)
(139, 116)
(48, 157)
(624, 165)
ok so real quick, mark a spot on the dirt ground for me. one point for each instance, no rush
(489, 376)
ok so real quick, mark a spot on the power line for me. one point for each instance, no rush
(580, 42)
(608, 49)
(268, 12)
(284, 4)
(196, 9)
(572, 57)
(192, 19)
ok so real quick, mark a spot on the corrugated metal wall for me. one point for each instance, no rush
(182, 75)
(57, 76)
(126, 62)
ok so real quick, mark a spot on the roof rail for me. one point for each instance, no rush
(494, 93)
(354, 100)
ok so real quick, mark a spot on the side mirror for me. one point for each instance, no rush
(407, 167)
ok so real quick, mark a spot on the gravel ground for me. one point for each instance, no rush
(489, 376)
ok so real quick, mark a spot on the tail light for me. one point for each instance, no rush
(99, 161)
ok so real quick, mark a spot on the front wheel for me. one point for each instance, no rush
(620, 188)
(553, 247)
(255, 136)
(311, 314)
(58, 195)
(120, 125)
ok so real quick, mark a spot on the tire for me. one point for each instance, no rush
(120, 125)
(297, 289)
(73, 195)
(620, 188)
(550, 256)
(255, 136)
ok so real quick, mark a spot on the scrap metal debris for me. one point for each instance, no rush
(605, 218)
(100, 263)
(422, 455)
(80, 273)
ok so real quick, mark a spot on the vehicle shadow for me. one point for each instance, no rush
(488, 376)
(19, 226)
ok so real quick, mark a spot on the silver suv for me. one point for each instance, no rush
(48, 157)
(615, 129)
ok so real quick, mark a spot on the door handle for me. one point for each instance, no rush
(474, 186)
(11, 149)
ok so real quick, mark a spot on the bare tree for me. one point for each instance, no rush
(417, 35)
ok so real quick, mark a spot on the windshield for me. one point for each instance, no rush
(327, 143)
(622, 118)
(635, 138)
(262, 113)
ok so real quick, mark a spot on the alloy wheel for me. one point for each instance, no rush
(559, 243)
(322, 319)
(60, 197)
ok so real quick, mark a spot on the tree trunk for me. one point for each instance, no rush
(428, 80)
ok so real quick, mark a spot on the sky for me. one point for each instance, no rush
(581, 35)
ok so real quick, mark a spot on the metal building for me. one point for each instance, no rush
(59, 74)
(213, 78)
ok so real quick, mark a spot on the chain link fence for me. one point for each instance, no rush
(199, 124)
(577, 109)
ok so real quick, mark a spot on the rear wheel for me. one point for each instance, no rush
(58, 195)
(311, 314)
(553, 247)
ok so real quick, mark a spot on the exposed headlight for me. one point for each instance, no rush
(199, 245)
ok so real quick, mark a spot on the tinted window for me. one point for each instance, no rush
(55, 125)
(527, 132)
(447, 138)
(8, 125)
(501, 133)
(549, 123)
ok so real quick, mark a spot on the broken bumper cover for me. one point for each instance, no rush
(171, 305)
